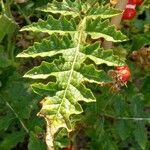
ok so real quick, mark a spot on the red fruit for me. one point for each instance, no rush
(129, 14)
(130, 11)
(122, 68)
(131, 2)
(123, 73)
(138, 2)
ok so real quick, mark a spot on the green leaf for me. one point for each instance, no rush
(4, 62)
(35, 143)
(5, 121)
(64, 103)
(99, 28)
(50, 88)
(141, 40)
(62, 139)
(137, 105)
(66, 75)
(140, 134)
(101, 56)
(48, 47)
(51, 25)
(103, 12)
(64, 46)
(6, 26)
(66, 7)
(92, 75)
(21, 99)
(11, 140)
(61, 72)
(123, 129)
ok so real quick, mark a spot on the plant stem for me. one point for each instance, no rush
(134, 118)
(3, 6)
(116, 21)
(7, 9)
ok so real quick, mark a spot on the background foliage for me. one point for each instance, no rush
(70, 86)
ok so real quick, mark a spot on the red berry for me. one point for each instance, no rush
(123, 73)
(138, 2)
(122, 68)
(129, 14)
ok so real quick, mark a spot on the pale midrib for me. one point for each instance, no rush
(71, 71)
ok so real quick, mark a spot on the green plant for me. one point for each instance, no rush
(70, 71)
(79, 21)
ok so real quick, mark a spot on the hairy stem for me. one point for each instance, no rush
(116, 21)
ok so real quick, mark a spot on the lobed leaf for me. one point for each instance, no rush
(101, 56)
(48, 47)
(51, 25)
(66, 7)
(66, 47)
(66, 76)
(59, 105)
(103, 12)
(98, 28)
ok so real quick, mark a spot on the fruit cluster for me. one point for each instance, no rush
(130, 10)
(121, 75)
